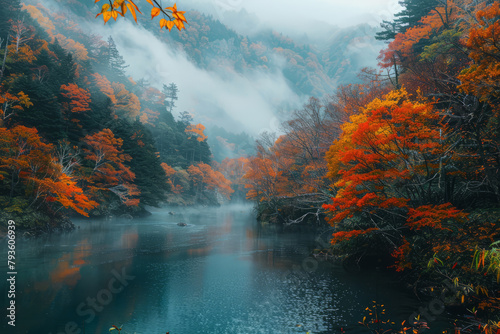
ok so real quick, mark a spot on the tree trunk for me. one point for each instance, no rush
(4, 58)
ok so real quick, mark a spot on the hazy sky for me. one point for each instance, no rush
(300, 14)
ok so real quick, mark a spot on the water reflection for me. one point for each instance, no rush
(219, 274)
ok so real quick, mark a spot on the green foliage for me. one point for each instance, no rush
(45, 114)
(10, 8)
(16, 204)
(413, 11)
(442, 44)
(149, 176)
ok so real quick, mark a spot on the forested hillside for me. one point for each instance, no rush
(309, 69)
(412, 177)
(78, 135)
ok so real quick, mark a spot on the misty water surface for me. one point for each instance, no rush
(221, 273)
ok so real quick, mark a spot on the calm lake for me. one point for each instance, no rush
(221, 273)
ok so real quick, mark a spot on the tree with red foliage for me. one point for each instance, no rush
(79, 98)
(26, 165)
(387, 172)
(106, 169)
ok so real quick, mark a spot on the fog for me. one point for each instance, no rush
(237, 102)
(249, 101)
(296, 18)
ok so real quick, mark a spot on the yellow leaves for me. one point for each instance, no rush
(175, 17)
(179, 16)
(109, 11)
(155, 11)
(163, 23)
(170, 25)
(178, 21)
(105, 8)
(118, 3)
(173, 8)
(24, 99)
(105, 15)
(179, 24)
(197, 130)
(176, 14)
(132, 11)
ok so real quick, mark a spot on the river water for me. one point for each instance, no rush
(222, 273)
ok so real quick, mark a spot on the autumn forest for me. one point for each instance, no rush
(402, 163)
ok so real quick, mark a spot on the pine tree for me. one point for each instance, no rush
(11, 9)
(150, 177)
(185, 119)
(413, 11)
(65, 69)
(170, 92)
(115, 62)
(45, 114)
(390, 30)
(409, 17)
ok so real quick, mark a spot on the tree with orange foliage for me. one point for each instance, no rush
(171, 179)
(388, 172)
(20, 34)
(104, 86)
(42, 20)
(205, 179)
(77, 49)
(153, 102)
(29, 170)
(79, 98)
(266, 177)
(127, 104)
(288, 173)
(148, 117)
(272, 177)
(11, 104)
(479, 131)
(350, 99)
(105, 169)
(75, 104)
(482, 77)
(428, 55)
(197, 131)
(234, 170)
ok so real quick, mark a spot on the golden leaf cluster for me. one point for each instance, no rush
(172, 17)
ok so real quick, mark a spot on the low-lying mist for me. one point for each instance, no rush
(238, 102)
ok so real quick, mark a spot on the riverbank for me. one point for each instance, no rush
(32, 223)
(460, 275)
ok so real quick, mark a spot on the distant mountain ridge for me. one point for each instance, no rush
(311, 70)
(312, 65)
